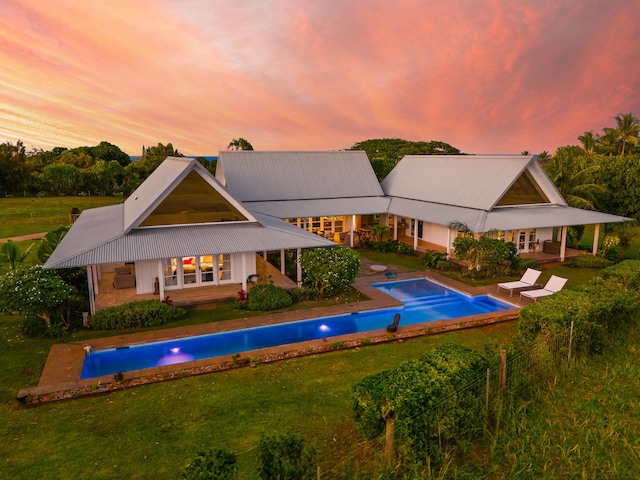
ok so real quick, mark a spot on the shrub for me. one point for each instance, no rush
(285, 457)
(267, 296)
(626, 272)
(495, 254)
(330, 271)
(591, 261)
(141, 313)
(217, 464)
(432, 257)
(37, 327)
(303, 294)
(426, 397)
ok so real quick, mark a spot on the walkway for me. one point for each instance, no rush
(24, 238)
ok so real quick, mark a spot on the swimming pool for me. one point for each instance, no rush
(423, 300)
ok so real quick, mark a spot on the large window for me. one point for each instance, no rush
(184, 272)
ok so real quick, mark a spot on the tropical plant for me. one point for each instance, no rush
(627, 129)
(11, 253)
(267, 296)
(330, 271)
(571, 176)
(49, 243)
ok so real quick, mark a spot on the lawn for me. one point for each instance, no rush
(22, 216)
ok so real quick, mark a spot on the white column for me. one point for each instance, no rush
(264, 255)
(161, 280)
(395, 227)
(283, 268)
(95, 273)
(596, 234)
(92, 303)
(449, 244)
(298, 268)
(353, 226)
(415, 234)
(244, 272)
(563, 243)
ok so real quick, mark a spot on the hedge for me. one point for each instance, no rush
(141, 313)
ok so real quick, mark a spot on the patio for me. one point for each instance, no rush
(110, 296)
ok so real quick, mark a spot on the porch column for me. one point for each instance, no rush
(264, 255)
(161, 281)
(92, 303)
(563, 243)
(353, 226)
(283, 268)
(395, 227)
(596, 234)
(244, 272)
(448, 244)
(298, 268)
(95, 272)
(415, 234)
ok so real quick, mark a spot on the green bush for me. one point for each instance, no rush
(303, 294)
(330, 271)
(494, 255)
(431, 258)
(142, 313)
(427, 398)
(591, 261)
(391, 246)
(34, 326)
(626, 272)
(267, 296)
(217, 464)
(284, 457)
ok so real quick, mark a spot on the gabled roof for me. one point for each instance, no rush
(161, 195)
(478, 182)
(256, 176)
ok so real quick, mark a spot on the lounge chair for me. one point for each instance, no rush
(554, 285)
(528, 280)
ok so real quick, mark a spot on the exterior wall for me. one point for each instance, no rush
(146, 273)
(544, 234)
(434, 233)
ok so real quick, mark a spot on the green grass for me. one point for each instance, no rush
(22, 216)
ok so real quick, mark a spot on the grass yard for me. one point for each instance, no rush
(22, 216)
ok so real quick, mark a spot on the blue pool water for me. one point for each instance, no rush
(423, 300)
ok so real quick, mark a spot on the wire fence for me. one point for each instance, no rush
(525, 369)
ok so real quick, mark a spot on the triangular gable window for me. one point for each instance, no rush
(525, 191)
(193, 201)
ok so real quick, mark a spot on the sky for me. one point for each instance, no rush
(487, 77)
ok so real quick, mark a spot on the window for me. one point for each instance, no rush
(224, 265)
(169, 272)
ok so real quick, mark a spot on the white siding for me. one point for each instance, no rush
(146, 273)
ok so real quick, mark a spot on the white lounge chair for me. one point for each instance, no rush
(554, 285)
(528, 280)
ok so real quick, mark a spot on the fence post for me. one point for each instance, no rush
(486, 401)
(388, 438)
(318, 472)
(570, 340)
(503, 369)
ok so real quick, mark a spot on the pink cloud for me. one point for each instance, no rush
(497, 77)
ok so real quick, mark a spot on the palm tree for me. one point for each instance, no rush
(588, 140)
(628, 128)
(13, 254)
(571, 177)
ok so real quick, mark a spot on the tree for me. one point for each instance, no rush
(627, 129)
(331, 271)
(13, 171)
(588, 140)
(239, 144)
(152, 157)
(216, 464)
(61, 178)
(34, 291)
(572, 175)
(106, 177)
(385, 153)
(109, 153)
(49, 243)
(285, 457)
(11, 253)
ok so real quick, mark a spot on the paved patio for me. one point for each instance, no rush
(60, 378)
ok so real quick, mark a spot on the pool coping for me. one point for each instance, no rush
(61, 374)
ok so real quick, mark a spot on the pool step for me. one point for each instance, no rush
(443, 300)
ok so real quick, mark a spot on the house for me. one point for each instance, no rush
(185, 232)
(335, 194)
(508, 197)
(180, 230)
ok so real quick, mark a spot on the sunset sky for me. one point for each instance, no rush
(496, 76)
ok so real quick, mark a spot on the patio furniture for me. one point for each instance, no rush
(528, 280)
(378, 268)
(554, 285)
(123, 277)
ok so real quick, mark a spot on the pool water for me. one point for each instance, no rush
(424, 301)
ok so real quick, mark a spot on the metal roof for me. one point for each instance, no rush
(500, 218)
(322, 207)
(256, 176)
(463, 180)
(81, 247)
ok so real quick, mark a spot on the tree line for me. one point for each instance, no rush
(602, 172)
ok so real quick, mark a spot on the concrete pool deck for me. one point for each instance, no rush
(60, 377)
